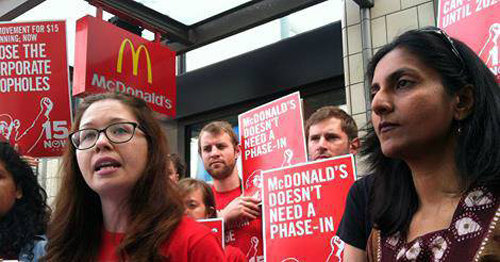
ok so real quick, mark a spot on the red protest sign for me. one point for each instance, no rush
(35, 111)
(271, 136)
(247, 236)
(302, 208)
(216, 225)
(108, 58)
(476, 23)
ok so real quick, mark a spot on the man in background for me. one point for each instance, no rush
(332, 132)
(219, 149)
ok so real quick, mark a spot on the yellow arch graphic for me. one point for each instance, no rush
(135, 58)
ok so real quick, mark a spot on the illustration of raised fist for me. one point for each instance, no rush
(495, 31)
(47, 105)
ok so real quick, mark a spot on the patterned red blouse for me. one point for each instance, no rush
(473, 226)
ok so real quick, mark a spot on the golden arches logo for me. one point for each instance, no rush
(135, 58)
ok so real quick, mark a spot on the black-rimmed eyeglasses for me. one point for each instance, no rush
(117, 133)
(447, 39)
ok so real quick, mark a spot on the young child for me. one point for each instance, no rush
(199, 202)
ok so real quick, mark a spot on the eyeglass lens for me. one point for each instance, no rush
(116, 133)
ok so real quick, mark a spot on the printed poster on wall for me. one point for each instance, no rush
(35, 112)
(476, 23)
(271, 136)
(111, 59)
(302, 209)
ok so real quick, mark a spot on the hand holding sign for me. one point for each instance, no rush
(241, 208)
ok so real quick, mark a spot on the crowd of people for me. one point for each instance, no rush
(432, 192)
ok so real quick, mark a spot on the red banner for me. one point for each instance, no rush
(302, 208)
(216, 225)
(35, 112)
(476, 23)
(271, 136)
(108, 58)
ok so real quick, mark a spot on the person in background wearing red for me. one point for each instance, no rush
(199, 202)
(219, 149)
(115, 202)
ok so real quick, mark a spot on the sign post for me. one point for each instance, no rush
(302, 208)
(35, 112)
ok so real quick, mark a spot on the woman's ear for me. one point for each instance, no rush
(464, 102)
(19, 192)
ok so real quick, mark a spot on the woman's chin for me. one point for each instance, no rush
(391, 151)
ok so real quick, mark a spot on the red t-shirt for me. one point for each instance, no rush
(190, 241)
(247, 236)
(222, 199)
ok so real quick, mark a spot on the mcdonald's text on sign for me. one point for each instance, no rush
(271, 135)
(110, 59)
(302, 208)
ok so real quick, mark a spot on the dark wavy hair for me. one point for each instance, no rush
(179, 165)
(394, 200)
(155, 206)
(27, 219)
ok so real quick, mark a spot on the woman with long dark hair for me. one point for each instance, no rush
(434, 149)
(23, 209)
(116, 202)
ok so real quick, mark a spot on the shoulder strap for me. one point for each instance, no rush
(373, 246)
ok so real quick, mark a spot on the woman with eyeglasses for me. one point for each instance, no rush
(434, 150)
(113, 204)
(23, 209)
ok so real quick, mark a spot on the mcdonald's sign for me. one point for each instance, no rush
(135, 58)
(110, 59)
